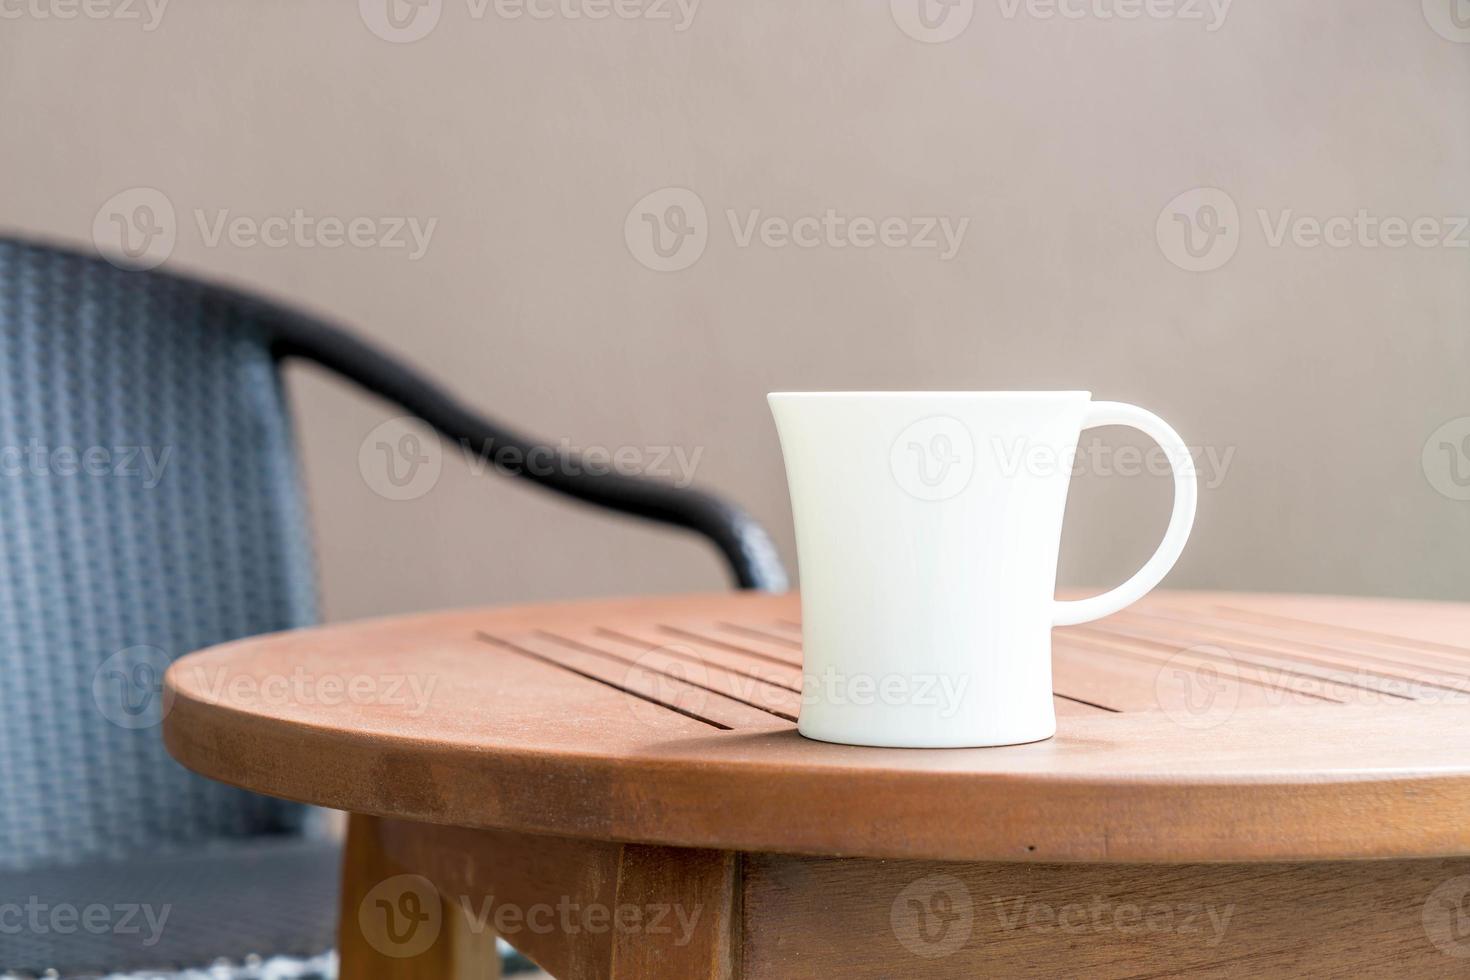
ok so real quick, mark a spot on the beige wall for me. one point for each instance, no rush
(1321, 370)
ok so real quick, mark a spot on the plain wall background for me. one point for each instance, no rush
(1321, 370)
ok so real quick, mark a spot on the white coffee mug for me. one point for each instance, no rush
(927, 532)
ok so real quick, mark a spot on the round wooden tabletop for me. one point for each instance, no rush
(1193, 727)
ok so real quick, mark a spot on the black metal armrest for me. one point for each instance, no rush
(746, 546)
(744, 543)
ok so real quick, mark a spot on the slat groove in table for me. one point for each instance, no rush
(758, 634)
(1400, 655)
(652, 660)
(1292, 645)
(694, 637)
(1091, 704)
(743, 661)
(713, 658)
(512, 647)
(1410, 644)
(1322, 656)
(1203, 646)
(1104, 646)
(1119, 640)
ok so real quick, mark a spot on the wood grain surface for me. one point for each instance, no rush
(818, 918)
(587, 910)
(1193, 728)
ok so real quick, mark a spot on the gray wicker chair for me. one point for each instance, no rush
(150, 505)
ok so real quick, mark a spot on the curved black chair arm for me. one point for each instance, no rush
(746, 546)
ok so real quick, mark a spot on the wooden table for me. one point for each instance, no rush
(618, 788)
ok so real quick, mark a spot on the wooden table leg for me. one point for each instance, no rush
(396, 925)
(582, 909)
(696, 894)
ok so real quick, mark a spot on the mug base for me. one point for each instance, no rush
(970, 741)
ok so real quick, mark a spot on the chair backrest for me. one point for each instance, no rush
(149, 506)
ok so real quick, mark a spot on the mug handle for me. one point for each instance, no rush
(1069, 612)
